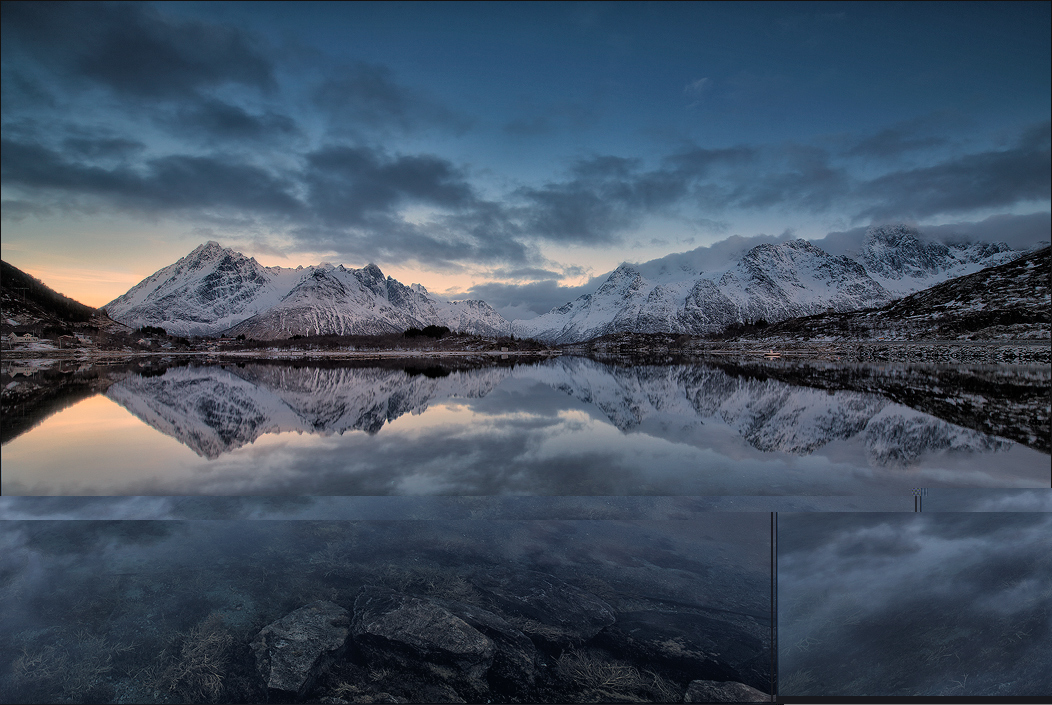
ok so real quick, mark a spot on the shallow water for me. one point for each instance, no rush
(128, 611)
(569, 427)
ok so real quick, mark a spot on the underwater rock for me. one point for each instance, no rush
(408, 631)
(292, 652)
(542, 606)
(514, 663)
(685, 646)
(723, 692)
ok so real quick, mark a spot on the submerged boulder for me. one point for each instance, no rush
(293, 651)
(515, 658)
(544, 607)
(723, 692)
(403, 630)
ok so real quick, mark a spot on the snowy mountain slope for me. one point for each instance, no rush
(985, 304)
(214, 290)
(770, 282)
(204, 293)
(1010, 300)
(903, 261)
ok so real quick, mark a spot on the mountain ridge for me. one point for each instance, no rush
(1006, 301)
(215, 290)
(769, 282)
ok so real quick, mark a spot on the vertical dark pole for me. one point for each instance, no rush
(774, 578)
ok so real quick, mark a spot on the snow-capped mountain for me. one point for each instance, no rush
(204, 293)
(215, 290)
(772, 282)
(903, 261)
(1006, 301)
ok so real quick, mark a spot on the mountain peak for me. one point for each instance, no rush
(215, 289)
(892, 235)
(208, 252)
(209, 247)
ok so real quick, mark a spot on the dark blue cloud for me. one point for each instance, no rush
(132, 49)
(347, 183)
(510, 132)
(216, 121)
(367, 95)
(991, 179)
(161, 184)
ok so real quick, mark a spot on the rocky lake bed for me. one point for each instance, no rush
(400, 611)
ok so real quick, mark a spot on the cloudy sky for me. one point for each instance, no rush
(512, 152)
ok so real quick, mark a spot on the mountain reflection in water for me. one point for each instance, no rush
(534, 429)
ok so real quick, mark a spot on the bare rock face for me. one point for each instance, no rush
(723, 692)
(547, 608)
(291, 652)
(401, 629)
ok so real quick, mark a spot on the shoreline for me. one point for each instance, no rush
(1037, 351)
(1008, 351)
(124, 355)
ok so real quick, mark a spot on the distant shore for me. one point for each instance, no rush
(94, 354)
(1028, 351)
(642, 346)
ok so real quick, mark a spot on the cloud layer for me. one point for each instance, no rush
(136, 110)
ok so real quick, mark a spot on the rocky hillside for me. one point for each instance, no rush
(1007, 301)
(29, 304)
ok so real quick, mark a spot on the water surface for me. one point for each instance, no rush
(569, 426)
(932, 604)
(164, 611)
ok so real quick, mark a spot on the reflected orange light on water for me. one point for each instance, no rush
(74, 450)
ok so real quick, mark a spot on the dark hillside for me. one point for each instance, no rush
(31, 303)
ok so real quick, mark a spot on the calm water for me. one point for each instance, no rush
(521, 501)
(165, 611)
(569, 426)
(931, 604)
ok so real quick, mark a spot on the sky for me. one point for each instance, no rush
(504, 151)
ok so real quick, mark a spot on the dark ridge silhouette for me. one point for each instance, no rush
(23, 290)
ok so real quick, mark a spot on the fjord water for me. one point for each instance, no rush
(165, 611)
(950, 604)
(568, 426)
